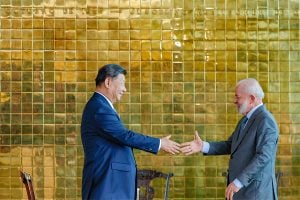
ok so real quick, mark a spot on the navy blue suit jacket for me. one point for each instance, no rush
(109, 166)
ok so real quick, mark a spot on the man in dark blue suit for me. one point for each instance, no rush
(109, 171)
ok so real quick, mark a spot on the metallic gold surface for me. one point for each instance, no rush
(183, 58)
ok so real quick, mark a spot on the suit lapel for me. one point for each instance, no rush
(238, 137)
(104, 101)
(242, 134)
(117, 114)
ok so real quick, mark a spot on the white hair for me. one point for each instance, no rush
(252, 86)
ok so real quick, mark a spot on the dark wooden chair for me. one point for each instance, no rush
(144, 178)
(278, 175)
(27, 181)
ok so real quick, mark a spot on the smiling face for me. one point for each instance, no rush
(115, 87)
(248, 94)
(243, 100)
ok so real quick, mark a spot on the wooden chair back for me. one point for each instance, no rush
(27, 181)
(144, 178)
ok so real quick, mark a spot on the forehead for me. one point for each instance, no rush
(120, 77)
(240, 90)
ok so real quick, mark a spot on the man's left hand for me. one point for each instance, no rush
(230, 190)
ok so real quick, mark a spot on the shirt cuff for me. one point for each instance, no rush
(159, 145)
(238, 183)
(205, 147)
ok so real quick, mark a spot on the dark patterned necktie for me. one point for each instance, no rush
(243, 124)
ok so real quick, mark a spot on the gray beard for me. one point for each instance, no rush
(243, 108)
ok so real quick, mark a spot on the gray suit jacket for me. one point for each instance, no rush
(252, 156)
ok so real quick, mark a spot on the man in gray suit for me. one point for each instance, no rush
(252, 147)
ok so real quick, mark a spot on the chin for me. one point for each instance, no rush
(241, 112)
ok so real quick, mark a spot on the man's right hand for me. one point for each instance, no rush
(169, 145)
(192, 147)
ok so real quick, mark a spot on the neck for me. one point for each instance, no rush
(104, 92)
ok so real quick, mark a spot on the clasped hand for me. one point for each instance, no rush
(187, 148)
(192, 147)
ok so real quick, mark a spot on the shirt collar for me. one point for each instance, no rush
(110, 103)
(249, 114)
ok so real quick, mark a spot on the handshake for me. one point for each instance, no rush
(187, 148)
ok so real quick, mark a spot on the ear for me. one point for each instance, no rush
(107, 82)
(252, 98)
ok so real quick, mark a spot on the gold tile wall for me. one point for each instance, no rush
(184, 58)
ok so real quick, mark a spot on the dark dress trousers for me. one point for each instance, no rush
(109, 171)
(252, 156)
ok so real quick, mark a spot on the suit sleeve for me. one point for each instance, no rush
(220, 148)
(223, 147)
(112, 128)
(267, 137)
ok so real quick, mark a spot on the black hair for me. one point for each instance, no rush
(109, 70)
